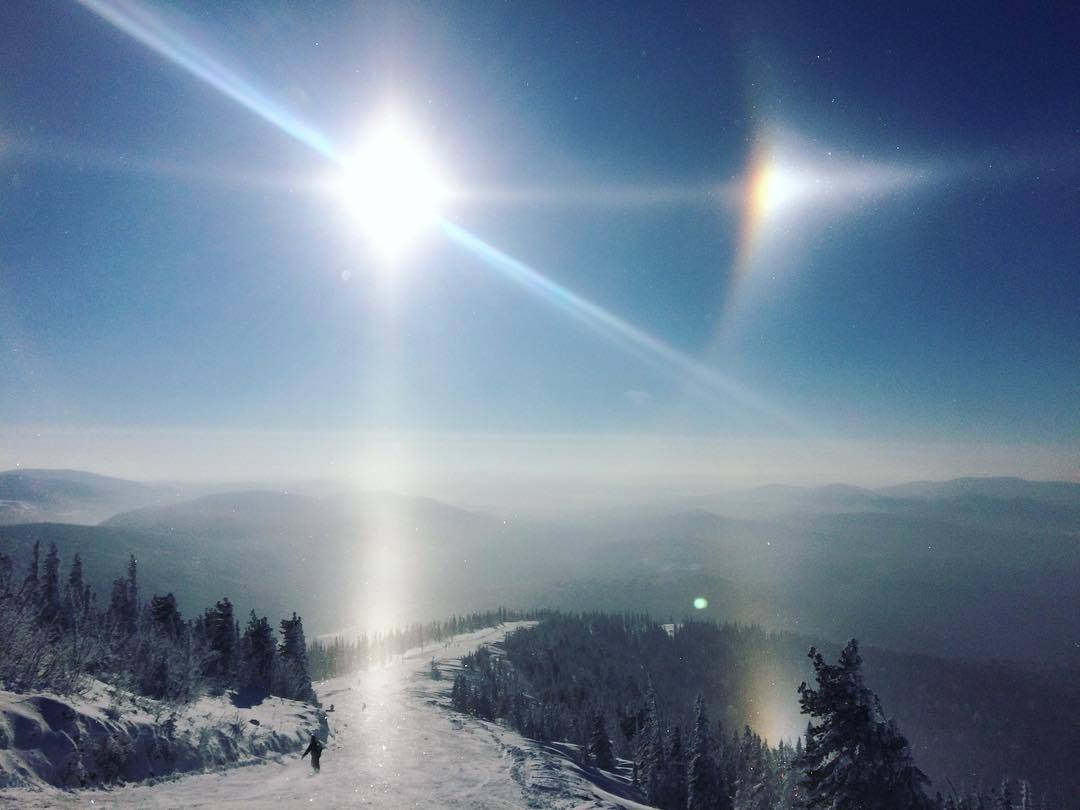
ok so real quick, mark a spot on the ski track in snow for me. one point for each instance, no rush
(406, 748)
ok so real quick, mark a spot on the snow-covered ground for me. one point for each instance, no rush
(101, 734)
(393, 742)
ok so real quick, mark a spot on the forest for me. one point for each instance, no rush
(338, 655)
(629, 692)
(59, 633)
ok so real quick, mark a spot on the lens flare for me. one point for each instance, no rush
(620, 332)
(164, 38)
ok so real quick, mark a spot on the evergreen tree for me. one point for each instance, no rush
(459, 693)
(651, 761)
(293, 679)
(854, 757)
(675, 779)
(1004, 798)
(132, 585)
(165, 616)
(701, 786)
(600, 744)
(220, 660)
(788, 776)
(158, 663)
(764, 794)
(1027, 801)
(74, 593)
(124, 607)
(30, 584)
(49, 613)
(747, 769)
(257, 655)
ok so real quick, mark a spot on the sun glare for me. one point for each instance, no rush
(775, 186)
(392, 189)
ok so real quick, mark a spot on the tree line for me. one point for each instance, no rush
(616, 688)
(56, 633)
(340, 655)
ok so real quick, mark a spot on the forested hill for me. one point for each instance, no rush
(969, 724)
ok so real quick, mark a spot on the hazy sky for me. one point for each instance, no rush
(844, 226)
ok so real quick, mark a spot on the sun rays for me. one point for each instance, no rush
(394, 193)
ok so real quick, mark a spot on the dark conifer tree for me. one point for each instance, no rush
(652, 765)
(74, 593)
(49, 613)
(701, 772)
(257, 655)
(675, 778)
(165, 617)
(1003, 800)
(221, 659)
(854, 757)
(133, 585)
(31, 589)
(293, 679)
(600, 744)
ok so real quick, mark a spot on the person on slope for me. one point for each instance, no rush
(315, 748)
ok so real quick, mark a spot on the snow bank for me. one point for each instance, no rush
(103, 736)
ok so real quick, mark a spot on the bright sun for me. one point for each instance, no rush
(392, 189)
(775, 186)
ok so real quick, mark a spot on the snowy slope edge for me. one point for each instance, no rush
(102, 737)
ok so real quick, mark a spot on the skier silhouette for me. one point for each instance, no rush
(315, 748)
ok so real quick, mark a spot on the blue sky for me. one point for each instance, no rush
(168, 262)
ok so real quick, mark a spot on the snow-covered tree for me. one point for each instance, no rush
(651, 761)
(50, 591)
(31, 592)
(702, 793)
(221, 653)
(257, 654)
(675, 778)
(600, 744)
(293, 680)
(854, 757)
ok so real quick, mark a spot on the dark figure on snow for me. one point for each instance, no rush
(315, 748)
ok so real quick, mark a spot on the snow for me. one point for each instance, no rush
(62, 740)
(394, 742)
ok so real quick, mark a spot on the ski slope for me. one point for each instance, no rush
(393, 743)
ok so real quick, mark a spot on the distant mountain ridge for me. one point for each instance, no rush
(1062, 492)
(70, 496)
(951, 557)
(76, 496)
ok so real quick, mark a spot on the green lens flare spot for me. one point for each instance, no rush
(701, 603)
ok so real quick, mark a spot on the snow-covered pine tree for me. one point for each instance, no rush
(701, 785)
(49, 614)
(746, 769)
(73, 593)
(788, 776)
(651, 761)
(293, 679)
(30, 588)
(764, 794)
(133, 584)
(675, 778)
(459, 693)
(219, 664)
(1003, 798)
(854, 757)
(1027, 800)
(600, 744)
(257, 652)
